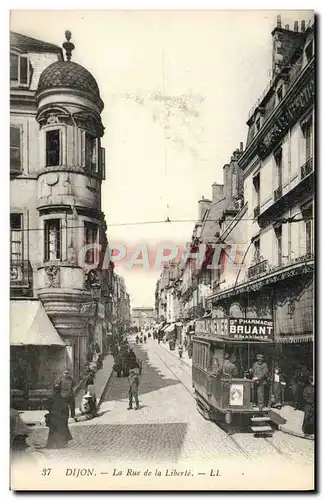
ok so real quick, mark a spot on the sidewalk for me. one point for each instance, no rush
(175, 353)
(36, 417)
(290, 421)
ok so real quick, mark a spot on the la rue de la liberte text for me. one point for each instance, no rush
(168, 472)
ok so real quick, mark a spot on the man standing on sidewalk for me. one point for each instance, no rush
(66, 384)
(133, 388)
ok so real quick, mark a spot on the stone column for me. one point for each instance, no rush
(69, 355)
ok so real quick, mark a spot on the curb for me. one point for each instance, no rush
(295, 433)
(105, 387)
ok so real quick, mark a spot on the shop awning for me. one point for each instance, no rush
(30, 325)
(165, 327)
(170, 328)
(294, 339)
(178, 323)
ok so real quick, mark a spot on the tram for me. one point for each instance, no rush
(232, 398)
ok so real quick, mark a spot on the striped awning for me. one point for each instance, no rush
(295, 339)
(170, 328)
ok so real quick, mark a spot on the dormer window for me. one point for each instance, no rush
(258, 124)
(19, 69)
(279, 94)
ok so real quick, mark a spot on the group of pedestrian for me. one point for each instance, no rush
(61, 404)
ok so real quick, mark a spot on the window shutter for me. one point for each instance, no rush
(23, 70)
(14, 61)
(95, 159)
(83, 149)
(15, 148)
(103, 163)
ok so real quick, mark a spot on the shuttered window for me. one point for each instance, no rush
(15, 148)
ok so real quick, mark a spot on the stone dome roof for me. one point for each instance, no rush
(68, 74)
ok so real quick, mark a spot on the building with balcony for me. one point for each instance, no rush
(275, 280)
(121, 313)
(57, 165)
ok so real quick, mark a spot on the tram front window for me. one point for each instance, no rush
(238, 356)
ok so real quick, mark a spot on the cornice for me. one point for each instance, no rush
(252, 149)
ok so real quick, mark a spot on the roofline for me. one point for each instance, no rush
(50, 47)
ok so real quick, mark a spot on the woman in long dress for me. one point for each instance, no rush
(59, 434)
(308, 396)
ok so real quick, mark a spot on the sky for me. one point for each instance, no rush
(177, 88)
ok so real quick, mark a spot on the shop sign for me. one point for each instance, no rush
(245, 329)
(87, 307)
(250, 329)
(289, 116)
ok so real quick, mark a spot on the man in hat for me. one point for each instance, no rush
(66, 384)
(260, 372)
(229, 369)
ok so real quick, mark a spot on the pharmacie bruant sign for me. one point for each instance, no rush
(246, 329)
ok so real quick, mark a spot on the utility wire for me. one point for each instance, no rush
(283, 220)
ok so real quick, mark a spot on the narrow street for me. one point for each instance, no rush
(167, 428)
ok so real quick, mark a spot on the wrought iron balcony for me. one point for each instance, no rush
(21, 275)
(257, 211)
(277, 193)
(259, 267)
(307, 168)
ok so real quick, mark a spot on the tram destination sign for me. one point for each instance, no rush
(247, 329)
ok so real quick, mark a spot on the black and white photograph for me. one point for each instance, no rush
(162, 250)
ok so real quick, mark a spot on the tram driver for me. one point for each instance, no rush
(260, 373)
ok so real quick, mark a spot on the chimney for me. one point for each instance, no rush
(241, 147)
(217, 190)
(278, 21)
(203, 205)
(285, 41)
(302, 26)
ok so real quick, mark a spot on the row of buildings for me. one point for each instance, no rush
(258, 226)
(64, 294)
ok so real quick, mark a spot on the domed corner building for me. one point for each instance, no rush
(72, 167)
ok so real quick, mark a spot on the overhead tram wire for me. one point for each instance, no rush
(168, 221)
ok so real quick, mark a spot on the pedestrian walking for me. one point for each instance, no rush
(66, 384)
(57, 420)
(133, 389)
(308, 397)
(278, 385)
(180, 350)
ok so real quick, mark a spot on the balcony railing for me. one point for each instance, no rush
(256, 211)
(307, 168)
(258, 268)
(277, 193)
(21, 274)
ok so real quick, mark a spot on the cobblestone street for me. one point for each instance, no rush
(167, 428)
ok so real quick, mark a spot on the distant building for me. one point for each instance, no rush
(142, 316)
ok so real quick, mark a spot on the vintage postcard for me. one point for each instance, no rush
(162, 250)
